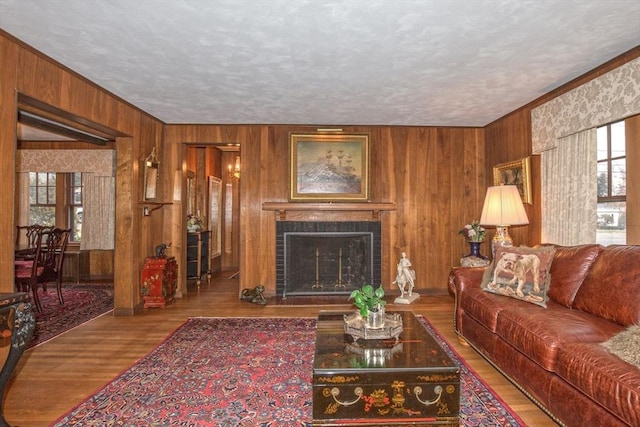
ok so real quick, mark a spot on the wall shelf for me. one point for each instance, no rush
(156, 205)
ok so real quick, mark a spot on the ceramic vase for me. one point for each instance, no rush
(474, 250)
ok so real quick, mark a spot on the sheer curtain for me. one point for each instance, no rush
(98, 212)
(569, 191)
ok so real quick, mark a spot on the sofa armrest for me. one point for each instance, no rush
(463, 277)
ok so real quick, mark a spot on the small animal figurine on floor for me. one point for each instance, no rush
(254, 295)
(160, 250)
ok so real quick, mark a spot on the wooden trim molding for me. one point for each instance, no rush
(281, 208)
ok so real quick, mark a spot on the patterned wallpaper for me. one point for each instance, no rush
(100, 162)
(610, 97)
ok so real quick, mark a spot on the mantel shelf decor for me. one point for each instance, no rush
(281, 208)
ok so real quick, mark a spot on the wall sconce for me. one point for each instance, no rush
(234, 169)
(502, 208)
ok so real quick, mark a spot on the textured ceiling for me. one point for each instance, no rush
(392, 62)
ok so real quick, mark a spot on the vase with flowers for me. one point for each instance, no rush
(194, 223)
(474, 234)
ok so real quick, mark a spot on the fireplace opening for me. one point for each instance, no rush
(326, 258)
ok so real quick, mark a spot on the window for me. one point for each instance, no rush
(42, 198)
(55, 199)
(612, 184)
(75, 206)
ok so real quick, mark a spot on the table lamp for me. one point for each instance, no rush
(502, 208)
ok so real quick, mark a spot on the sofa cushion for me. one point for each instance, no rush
(612, 287)
(569, 269)
(521, 273)
(539, 333)
(606, 379)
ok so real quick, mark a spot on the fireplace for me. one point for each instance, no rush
(326, 258)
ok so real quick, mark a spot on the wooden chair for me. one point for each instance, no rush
(27, 239)
(46, 266)
(57, 245)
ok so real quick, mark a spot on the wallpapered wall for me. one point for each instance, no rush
(610, 97)
(100, 162)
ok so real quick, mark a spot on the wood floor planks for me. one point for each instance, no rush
(54, 377)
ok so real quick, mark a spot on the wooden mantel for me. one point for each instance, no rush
(281, 208)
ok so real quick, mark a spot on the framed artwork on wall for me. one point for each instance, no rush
(329, 167)
(515, 173)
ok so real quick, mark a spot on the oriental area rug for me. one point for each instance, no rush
(82, 302)
(242, 372)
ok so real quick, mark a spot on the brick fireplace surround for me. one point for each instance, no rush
(355, 251)
(326, 258)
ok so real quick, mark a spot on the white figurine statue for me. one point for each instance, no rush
(405, 280)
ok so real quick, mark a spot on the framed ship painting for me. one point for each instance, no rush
(329, 167)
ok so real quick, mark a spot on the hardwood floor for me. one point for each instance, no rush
(54, 377)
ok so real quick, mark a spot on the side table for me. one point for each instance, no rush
(473, 261)
(17, 323)
(159, 279)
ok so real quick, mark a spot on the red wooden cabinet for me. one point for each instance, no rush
(159, 281)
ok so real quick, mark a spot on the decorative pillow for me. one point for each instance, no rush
(626, 345)
(521, 273)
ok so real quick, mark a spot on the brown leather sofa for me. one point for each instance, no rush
(554, 354)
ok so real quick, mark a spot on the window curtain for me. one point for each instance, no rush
(98, 212)
(22, 216)
(564, 132)
(23, 194)
(569, 190)
(608, 98)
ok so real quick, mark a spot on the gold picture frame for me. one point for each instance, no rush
(329, 167)
(516, 173)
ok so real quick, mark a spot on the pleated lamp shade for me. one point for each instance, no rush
(503, 207)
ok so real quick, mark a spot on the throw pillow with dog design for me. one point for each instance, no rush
(521, 273)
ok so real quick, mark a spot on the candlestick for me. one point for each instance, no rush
(339, 268)
(317, 284)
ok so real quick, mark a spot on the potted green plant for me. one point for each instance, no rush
(370, 303)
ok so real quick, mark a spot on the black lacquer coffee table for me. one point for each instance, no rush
(409, 381)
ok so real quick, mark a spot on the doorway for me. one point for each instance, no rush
(73, 155)
(211, 174)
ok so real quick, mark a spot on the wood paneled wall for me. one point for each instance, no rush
(632, 130)
(507, 140)
(26, 71)
(435, 177)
